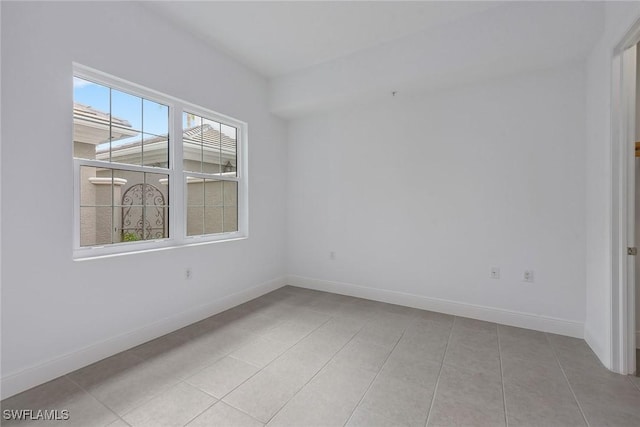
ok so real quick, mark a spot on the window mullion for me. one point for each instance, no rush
(214, 176)
(76, 205)
(122, 166)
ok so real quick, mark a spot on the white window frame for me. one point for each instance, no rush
(177, 176)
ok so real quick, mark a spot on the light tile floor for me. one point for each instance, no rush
(297, 357)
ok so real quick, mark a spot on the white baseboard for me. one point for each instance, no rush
(603, 354)
(506, 317)
(17, 382)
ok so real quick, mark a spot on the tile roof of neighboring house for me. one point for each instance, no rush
(93, 126)
(88, 113)
(209, 136)
(211, 139)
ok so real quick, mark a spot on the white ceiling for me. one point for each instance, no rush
(321, 55)
(276, 38)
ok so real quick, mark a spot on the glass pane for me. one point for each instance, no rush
(126, 111)
(103, 187)
(128, 188)
(230, 206)
(102, 152)
(195, 191)
(155, 118)
(229, 154)
(155, 150)
(157, 189)
(95, 225)
(230, 218)
(131, 223)
(212, 193)
(90, 117)
(117, 236)
(193, 154)
(230, 193)
(83, 150)
(120, 136)
(195, 219)
(192, 142)
(211, 146)
(95, 186)
(212, 219)
(155, 222)
(90, 94)
(128, 151)
(190, 121)
(156, 201)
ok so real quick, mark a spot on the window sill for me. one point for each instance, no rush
(96, 253)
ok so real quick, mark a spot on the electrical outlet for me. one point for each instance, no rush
(528, 276)
(188, 273)
(495, 273)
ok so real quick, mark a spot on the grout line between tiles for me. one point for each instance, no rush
(242, 411)
(504, 395)
(178, 380)
(316, 374)
(634, 383)
(207, 365)
(637, 374)
(228, 354)
(265, 366)
(97, 400)
(435, 389)
(250, 363)
(374, 378)
(564, 374)
(330, 317)
(201, 412)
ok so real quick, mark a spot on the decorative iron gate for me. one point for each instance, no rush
(143, 213)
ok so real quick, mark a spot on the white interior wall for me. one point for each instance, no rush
(619, 16)
(58, 314)
(419, 196)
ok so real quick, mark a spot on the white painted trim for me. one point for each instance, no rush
(17, 382)
(637, 340)
(505, 317)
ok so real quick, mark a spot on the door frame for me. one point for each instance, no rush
(623, 117)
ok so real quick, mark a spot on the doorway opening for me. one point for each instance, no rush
(625, 132)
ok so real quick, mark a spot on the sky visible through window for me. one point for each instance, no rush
(154, 122)
(147, 117)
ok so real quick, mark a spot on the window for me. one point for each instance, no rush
(151, 170)
(209, 156)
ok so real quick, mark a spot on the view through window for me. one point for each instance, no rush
(130, 170)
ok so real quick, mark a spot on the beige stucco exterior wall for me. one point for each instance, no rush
(211, 206)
